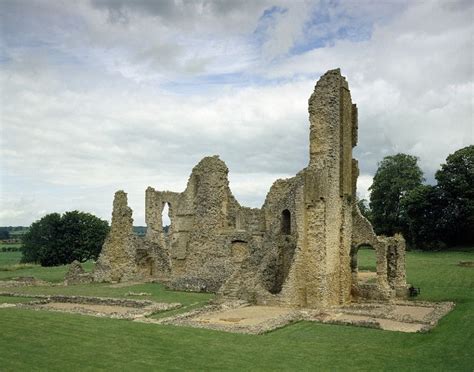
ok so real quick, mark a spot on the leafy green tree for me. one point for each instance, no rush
(456, 185)
(422, 210)
(58, 240)
(364, 208)
(41, 238)
(395, 177)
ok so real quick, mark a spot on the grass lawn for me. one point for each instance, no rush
(50, 274)
(10, 245)
(9, 258)
(14, 300)
(366, 259)
(40, 340)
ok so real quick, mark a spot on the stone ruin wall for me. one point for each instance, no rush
(117, 259)
(202, 217)
(299, 249)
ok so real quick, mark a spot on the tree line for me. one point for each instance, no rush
(12, 232)
(430, 217)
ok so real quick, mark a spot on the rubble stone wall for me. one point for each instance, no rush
(299, 249)
(117, 259)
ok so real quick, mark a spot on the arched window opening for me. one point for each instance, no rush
(165, 217)
(286, 222)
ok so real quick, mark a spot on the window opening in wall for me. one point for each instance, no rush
(165, 218)
(286, 222)
(366, 264)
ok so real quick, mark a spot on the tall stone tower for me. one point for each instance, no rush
(322, 264)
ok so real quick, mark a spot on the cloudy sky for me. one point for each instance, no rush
(101, 95)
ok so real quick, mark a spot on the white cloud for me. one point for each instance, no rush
(91, 103)
(363, 183)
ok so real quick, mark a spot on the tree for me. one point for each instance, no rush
(4, 233)
(364, 208)
(41, 238)
(422, 210)
(395, 177)
(58, 240)
(456, 185)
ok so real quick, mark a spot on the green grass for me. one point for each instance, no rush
(366, 259)
(14, 300)
(8, 245)
(158, 292)
(49, 274)
(39, 340)
(16, 267)
(9, 258)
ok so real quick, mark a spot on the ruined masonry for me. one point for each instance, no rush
(300, 249)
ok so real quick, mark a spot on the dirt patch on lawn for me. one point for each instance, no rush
(236, 317)
(416, 313)
(83, 308)
(243, 316)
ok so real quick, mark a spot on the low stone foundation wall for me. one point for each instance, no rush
(239, 317)
(194, 284)
(117, 308)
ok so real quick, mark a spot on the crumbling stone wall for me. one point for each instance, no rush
(117, 259)
(203, 218)
(299, 249)
(315, 258)
(76, 274)
(125, 256)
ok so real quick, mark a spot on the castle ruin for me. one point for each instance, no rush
(299, 249)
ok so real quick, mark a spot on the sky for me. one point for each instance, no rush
(102, 95)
